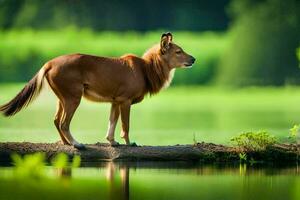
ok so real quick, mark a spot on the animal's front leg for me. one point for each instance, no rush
(125, 114)
(113, 119)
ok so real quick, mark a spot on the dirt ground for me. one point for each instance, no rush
(206, 152)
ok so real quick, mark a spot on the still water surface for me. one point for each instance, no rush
(146, 180)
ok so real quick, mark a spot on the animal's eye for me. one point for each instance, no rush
(178, 51)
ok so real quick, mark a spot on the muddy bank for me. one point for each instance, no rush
(205, 152)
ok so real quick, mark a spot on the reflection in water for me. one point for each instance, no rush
(180, 180)
(64, 172)
(117, 177)
(117, 190)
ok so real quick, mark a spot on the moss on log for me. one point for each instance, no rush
(205, 152)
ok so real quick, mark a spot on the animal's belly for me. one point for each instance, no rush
(109, 96)
(94, 96)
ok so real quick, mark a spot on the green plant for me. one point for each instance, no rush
(62, 161)
(30, 166)
(294, 133)
(33, 165)
(195, 142)
(243, 157)
(252, 161)
(253, 141)
(24, 51)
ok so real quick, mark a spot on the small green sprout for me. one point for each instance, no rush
(195, 142)
(243, 157)
(294, 132)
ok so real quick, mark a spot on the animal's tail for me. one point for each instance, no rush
(25, 96)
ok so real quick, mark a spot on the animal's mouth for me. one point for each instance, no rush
(188, 65)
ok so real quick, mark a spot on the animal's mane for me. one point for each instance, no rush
(157, 71)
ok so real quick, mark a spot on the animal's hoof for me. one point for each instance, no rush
(79, 146)
(114, 144)
(132, 144)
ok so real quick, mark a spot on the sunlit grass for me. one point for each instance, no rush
(171, 117)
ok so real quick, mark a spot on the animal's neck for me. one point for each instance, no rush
(157, 73)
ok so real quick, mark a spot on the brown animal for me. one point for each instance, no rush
(121, 81)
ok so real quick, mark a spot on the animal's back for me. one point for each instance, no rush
(102, 78)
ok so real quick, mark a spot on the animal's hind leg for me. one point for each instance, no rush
(57, 121)
(69, 107)
(66, 83)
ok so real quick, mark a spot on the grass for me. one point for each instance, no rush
(172, 117)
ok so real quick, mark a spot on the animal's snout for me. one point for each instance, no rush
(193, 60)
(189, 62)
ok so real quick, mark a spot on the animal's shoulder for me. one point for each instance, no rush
(131, 59)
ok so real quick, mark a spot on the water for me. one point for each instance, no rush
(159, 180)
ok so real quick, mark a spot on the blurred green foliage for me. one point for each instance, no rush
(30, 166)
(23, 52)
(265, 35)
(116, 15)
(61, 160)
(258, 49)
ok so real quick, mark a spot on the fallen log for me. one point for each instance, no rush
(205, 152)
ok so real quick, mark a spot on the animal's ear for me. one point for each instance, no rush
(170, 36)
(166, 39)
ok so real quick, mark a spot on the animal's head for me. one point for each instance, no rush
(173, 54)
